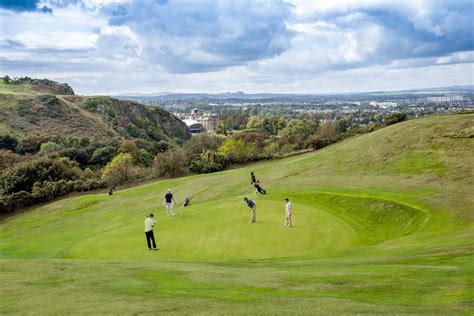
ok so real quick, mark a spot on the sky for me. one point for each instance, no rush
(295, 46)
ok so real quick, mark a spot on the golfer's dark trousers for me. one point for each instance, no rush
(150, 237)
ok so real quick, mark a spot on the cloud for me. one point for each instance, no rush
(190, 36)
(293, 45)
(24, 5)
(353, 34)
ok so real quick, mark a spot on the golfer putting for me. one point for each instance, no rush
(252, 206)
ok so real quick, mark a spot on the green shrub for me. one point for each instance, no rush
(101, 156)
(209, 161)
(120, 170)
(23, 176)
(236, 150)
(170, 163)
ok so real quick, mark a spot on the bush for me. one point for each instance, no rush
(15, 201)
(120, 170)
(198, 144)
(49, 148)
(209, 161)
(101, 156)
(236, 150)
(146, 159)
(171, 163)
(395, 118)
(297, 132)
(29, 145)
(8, 159)
(129, 146)
(78, 155)
(8, 142)
(23, 176)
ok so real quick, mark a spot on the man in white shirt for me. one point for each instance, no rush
(150, 237)
(288, 210)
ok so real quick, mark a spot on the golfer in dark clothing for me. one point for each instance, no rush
(150, 237)
(252, 178)
(259, 189)
(252, 205)
(169, 201)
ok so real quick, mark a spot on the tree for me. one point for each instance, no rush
(170, 163)
(297, 132)
(8, 159)
(24, 175)
(255, 122)
(327, 131)
(101, 156)
(120, 170)
(6, 79)
(194, 147)
(221, 129)
(343, 125)
(272, 125)
(49, 148)
(235, 150)
(146, 159)
(395, 118)
(129, 146)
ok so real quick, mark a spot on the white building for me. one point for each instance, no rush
(445, 98)
(383, 105)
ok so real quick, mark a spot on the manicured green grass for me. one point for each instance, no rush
(382, 224)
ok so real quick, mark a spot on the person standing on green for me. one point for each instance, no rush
(288, 211)
(150, 236)
(169, 201)
(252, 206)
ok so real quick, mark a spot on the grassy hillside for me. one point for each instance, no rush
(33, 108)
(383, 223)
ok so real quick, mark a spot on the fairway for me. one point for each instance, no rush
(383, 223)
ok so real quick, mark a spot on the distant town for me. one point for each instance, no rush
(204, 112)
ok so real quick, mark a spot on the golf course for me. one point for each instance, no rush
(383, 223)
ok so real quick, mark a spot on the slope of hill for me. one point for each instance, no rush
(383, 223)
(46, 109)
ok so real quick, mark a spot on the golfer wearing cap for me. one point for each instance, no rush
(169, 201)
(288, 212)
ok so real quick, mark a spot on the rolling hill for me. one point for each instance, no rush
(383, 223)
(44, 108)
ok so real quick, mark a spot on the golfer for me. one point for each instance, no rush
(252, 178)
(288, 210)
(252, 205)
(169, 201)
(258, 188)
(150, 237)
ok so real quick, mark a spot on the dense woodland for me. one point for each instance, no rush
(143, 143)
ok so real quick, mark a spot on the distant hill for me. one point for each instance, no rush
(44, 108)
(169, 96)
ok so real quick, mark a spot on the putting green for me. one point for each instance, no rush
(215, 230)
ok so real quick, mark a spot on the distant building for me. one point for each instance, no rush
(445, 98)
(208, 120)
(199, 122)
(383, 105)
(194, 126)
